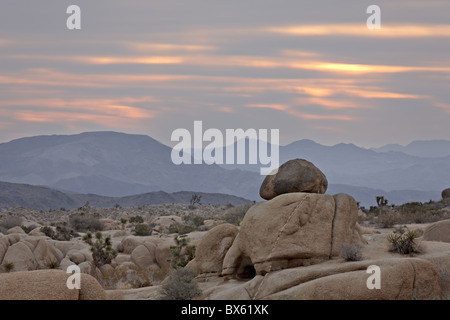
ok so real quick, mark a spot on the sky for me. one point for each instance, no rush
(312, 69)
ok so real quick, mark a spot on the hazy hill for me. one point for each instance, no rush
(118, 165)
(43, 198)
(421, 148)
(113, 164)
(348, 164)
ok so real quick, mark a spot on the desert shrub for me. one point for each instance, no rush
(52, 264)
(387, 219)
(102, 251)
(234, 215)
(8, 266)
(180, 285)
(123, 221)
(48, 231)
(181, 253)
(27, 229)
(180, 228)
(10, 221)
(62, 232)
(193, 220)
(404, 243)
(85, 222)
(65, 233)
(351, 252)
(142, 229)
(136, 219)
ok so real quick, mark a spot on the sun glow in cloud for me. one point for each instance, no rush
(278, 107)
(129, 60)
(105, 112)
(360, 29)
(167, 47)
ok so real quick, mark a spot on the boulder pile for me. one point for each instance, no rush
(299, 225)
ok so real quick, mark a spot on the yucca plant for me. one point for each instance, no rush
(404, 242)
(8, 266)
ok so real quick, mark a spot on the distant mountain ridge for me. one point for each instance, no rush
(112, 164)
(116, 164)
(43, 198)
(420, 148)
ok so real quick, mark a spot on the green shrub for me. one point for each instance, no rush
(123, 221)
(28, 229)
(181, 253)
(8, 266)
(85, 222)
(52, 264)
(136, 219)
(193, 220)
(48, 231)
(143, 229)
(180, 285)
(180, 228)
(404, 243)
(62, 232)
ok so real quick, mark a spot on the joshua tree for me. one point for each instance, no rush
(195, 199)
(381, 202)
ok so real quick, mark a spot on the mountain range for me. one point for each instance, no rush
(117, 165)
(43, 198)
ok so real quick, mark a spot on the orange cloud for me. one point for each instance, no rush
(316, 92)
(167, 47)
(106, 112)
(360, 29)
(309, 116)
(330, 104)
(128, 60)
(366, 93)
(226, 109)
(443, 106)
(278, 107)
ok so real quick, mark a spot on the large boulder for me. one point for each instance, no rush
(291, 230)
(446, 194)
(400, 279)
(211, 250)
(21, 256)
(47, 285)
(438, 231)
(128, 244)
(142, 257)
(296, 175)
(4, 244)
(45, 252)
(16, 229)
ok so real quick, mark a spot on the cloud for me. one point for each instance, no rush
(167, 47)
(278, 107)
(361, 30)
(105, 112)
